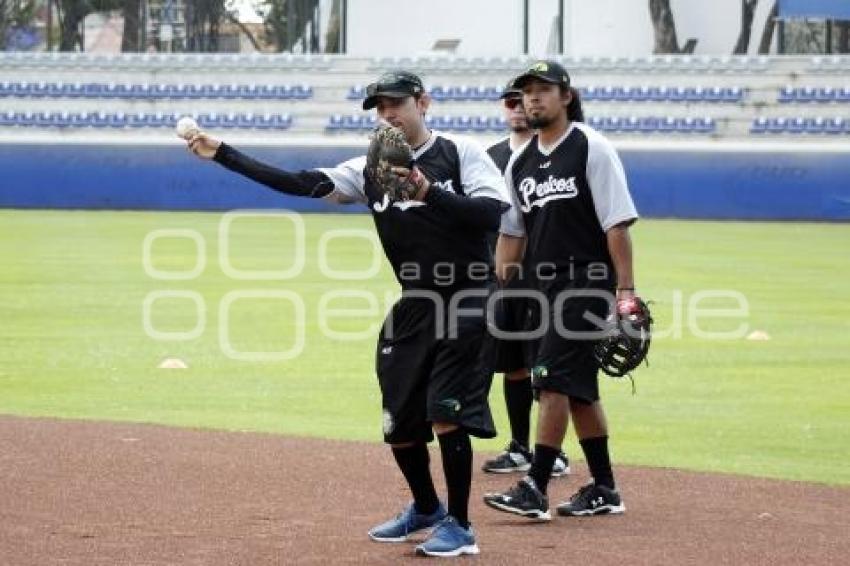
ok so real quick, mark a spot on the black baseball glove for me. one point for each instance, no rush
(388, 148)
(626, 342)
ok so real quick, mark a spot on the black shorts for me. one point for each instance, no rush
(564, 361)
(427, 375)
(513, 314)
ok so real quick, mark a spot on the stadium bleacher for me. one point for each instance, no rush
(721, 97)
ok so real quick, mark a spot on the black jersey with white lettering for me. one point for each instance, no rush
(426, 249)
(500, 153)
(569, 196)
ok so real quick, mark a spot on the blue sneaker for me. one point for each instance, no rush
(407, 522)
(449, 539)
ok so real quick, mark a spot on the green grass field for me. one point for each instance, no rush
(74, 344)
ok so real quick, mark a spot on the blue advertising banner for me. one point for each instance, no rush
(825, 9)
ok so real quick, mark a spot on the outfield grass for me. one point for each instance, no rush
(73, 343)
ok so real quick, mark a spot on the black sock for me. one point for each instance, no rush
(541, 466)
(414, 463)
(518, 398)
(457, 465)
(598, 460)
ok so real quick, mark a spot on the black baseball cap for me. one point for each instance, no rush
(510, 91)
(547, 71)
(395, 84)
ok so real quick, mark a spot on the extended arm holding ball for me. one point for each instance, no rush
(308, 183)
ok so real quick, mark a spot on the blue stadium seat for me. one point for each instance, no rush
(43, 120)
(36, 90)
(588, 93)
(439, 93)
(639, 93)
(138, 120)
(455, 92)
(594, 122)
(759, 125)
(158, 120)
(25, 119)
(657, 94)
(667, 124)
(694, 94)
(334, 122)
(205, 91)
(704, 125)
(825, 94)
(492, 93)
(713, 94)
(208, 120)
(629, 124)
(461, 123)
(80, 120)
(814, 125)
(117, 120)
(647, 124)
(480, 124)
(8, 119)
(677, 94)
(442, 123)
(478, 93)
(835, 126)
(776, 125)
(99, 120)
(605, 94)
(498, 124)
(621, 94)
(796, 126)
(356, 92)
(842, 95)
(733, 94)
(805, 94)
(302, 92)
(229, 121)
(787, 94)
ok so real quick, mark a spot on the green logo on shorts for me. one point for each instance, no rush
(539, 372)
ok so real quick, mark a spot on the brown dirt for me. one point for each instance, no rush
(108, 493)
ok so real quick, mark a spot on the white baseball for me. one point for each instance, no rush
(187, 127)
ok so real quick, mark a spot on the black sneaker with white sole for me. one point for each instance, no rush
(515, 458)
(523, 499)
(592, 499)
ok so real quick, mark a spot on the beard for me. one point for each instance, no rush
(539, 122)
(520, 128)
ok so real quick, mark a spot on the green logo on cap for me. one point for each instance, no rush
(540, 67)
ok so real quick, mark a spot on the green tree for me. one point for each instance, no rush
(131, 38)
(286, 23)
(203, 22)
(71, 15)
(14, 14)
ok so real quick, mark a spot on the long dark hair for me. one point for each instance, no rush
(575, 113)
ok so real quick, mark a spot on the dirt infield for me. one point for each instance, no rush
(109, 493)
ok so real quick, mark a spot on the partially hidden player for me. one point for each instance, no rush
(512, 356)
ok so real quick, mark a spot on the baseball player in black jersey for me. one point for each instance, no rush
(571, 189)
(431, 369)
(512, 356)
